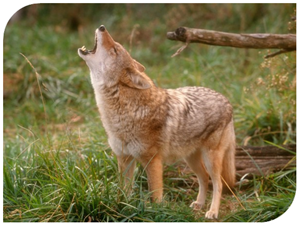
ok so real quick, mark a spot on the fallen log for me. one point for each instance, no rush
(284, 42)
(264, 160)
(259, 161)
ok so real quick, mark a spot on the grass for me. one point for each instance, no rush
(70, 179)
(58, 166)
(66, 184)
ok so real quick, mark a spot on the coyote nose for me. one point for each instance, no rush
(102, 28)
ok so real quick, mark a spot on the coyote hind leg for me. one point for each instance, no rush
(213, 160)
(194, 161)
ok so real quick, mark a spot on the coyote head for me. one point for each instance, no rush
(110, 63)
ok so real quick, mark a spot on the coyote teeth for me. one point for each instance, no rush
(83, 48)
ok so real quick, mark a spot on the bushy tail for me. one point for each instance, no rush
(228, 171)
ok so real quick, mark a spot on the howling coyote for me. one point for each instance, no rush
(152, 125)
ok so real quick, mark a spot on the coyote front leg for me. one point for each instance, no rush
(126, 164)
(154, 169)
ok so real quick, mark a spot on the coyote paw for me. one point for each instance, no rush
(211, 214)
(196, 205)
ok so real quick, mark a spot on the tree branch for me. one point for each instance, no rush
(284, 42)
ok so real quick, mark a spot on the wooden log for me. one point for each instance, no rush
(264, 160)
(259, 161)
(284, 42)
(286, 150)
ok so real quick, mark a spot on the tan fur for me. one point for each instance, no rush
(155, 126)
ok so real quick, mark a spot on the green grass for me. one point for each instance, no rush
(74, 178)
(71, 181)
(57, 162)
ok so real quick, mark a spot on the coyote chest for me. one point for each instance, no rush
(133, 121)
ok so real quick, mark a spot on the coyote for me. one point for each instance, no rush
(153, 126)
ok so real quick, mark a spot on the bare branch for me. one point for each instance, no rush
(285, 42)
(277, 53)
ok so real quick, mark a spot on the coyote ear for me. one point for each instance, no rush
(138, 66)
(138, 81)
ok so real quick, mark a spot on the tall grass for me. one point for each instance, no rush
(67, 180)
(57, 163)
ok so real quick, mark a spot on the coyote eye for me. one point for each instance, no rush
(116, 52)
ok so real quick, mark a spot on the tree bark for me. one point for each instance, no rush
(284, 42)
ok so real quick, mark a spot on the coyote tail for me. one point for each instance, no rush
(228, 171)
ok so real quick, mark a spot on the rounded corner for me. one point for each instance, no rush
(290, 213)
(15, 15)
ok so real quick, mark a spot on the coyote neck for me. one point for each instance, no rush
(121, 103)
(106, 97)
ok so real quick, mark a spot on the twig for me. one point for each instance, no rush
(278, 52)
(180, 49)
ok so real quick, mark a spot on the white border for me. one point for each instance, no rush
(8, 8)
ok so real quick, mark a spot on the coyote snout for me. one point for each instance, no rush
(154, 126)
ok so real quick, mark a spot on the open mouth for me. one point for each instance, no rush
(84, 51)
